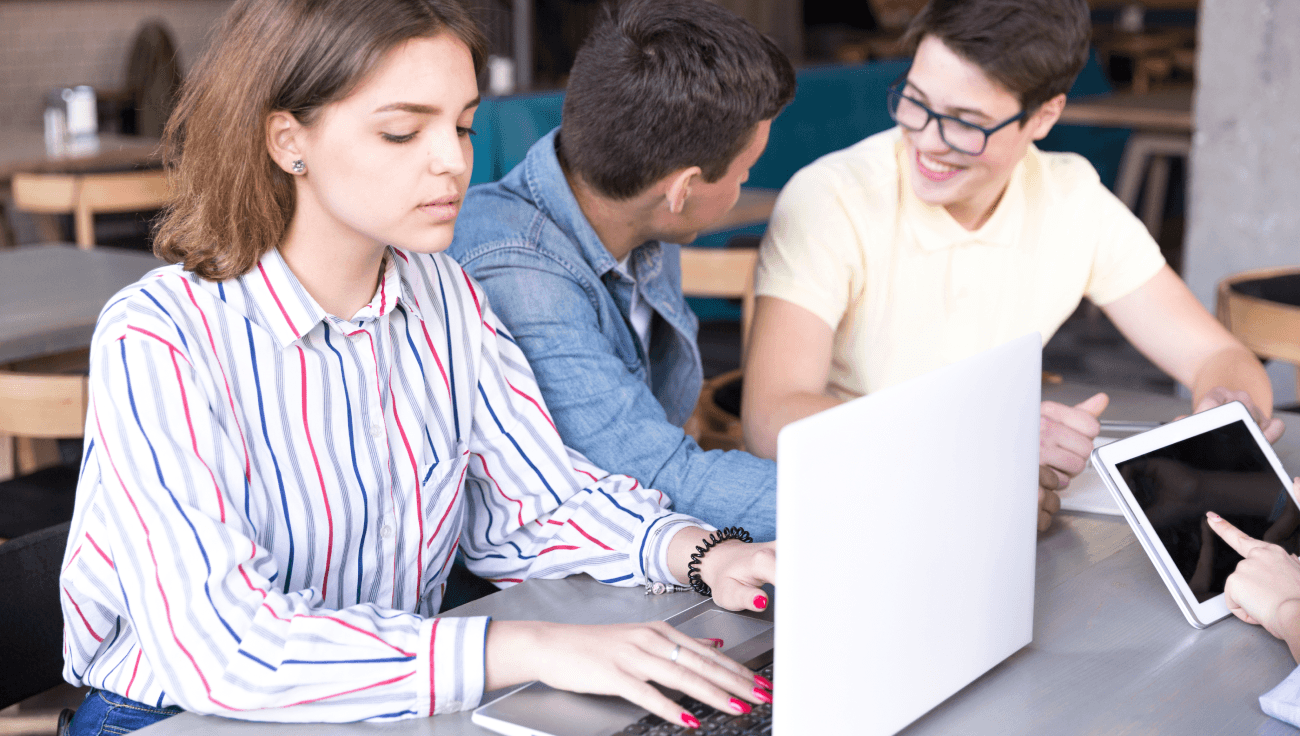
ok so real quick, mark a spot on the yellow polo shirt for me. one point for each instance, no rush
(907, 290)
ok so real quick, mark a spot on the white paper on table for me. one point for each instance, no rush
(1087, 492)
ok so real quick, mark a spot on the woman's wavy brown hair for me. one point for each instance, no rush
(231, 202)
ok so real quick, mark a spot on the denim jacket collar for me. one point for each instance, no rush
(551, 192)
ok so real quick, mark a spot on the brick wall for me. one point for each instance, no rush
(57, 43)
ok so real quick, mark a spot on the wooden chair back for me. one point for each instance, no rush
(722, 273)
(726, 273)
(42, 405)
(1269, 328)
(85, 195)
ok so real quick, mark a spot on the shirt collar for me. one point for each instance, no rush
(935, 229)
(291, 312)
(551, 192)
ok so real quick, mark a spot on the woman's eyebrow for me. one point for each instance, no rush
(414, 107)
(419, 109)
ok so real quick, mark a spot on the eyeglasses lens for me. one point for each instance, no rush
(958, 135)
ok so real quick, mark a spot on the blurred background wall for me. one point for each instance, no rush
(57, 43)
(1245, 184)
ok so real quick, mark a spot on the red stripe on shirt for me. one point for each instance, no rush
(134, 670)
(534, 403)
(482, 460)
(97, 549)
(419, 496)
(170, 346)
(148, 540)
(353, 690)
(194, 440)
(230, 397)
(433, 692)
(89, 628)
(329, 512)
(276, 297)
(598, 543)
(459, 484)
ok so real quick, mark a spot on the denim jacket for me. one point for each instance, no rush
(555, 286)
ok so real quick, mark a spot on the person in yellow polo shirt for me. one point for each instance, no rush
(952, 233)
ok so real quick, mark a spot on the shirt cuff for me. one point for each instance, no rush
(452, 667)
(655, 558)
(1283, 701)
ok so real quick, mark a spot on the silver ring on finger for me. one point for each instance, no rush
(676, 651)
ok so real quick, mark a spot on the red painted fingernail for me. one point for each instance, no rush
(740, 706)
(762, 695)
(763, 681)
(690, 720)
(760, 602)
(717, 643)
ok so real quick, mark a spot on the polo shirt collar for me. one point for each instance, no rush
(934, 229)
(551, 193)
(290, 312)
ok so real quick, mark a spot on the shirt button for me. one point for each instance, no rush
(386, 532)
(376, 430)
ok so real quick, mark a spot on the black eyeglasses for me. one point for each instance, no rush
(961, 136)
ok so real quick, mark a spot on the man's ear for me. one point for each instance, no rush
(1046, 116)
(679, 188)
(283, 139)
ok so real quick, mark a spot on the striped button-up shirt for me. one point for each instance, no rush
(271, 497)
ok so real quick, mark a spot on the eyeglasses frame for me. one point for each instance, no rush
(895, 89)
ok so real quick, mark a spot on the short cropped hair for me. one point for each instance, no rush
(1033, 48)
(661, 85)
(231, 202)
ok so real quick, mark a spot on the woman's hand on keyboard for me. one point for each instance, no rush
(621, 660)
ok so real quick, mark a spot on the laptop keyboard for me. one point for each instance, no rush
(713, 722)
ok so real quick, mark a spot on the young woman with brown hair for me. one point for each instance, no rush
(296, 426)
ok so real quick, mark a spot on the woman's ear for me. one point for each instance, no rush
(1046, 116)
(284, 139)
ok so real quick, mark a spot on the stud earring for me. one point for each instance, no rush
(299, 167)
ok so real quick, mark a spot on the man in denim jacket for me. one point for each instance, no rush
(668, 106)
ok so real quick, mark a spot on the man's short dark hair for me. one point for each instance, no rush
(1034, 48)
(661, 85)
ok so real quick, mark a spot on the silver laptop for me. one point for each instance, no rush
(907, 524)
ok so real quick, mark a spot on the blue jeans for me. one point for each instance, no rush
(108, 714)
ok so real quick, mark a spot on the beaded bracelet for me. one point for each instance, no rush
(714, 539)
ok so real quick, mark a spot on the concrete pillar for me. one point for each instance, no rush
(1245, 182)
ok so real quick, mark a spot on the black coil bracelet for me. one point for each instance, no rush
(713, 540)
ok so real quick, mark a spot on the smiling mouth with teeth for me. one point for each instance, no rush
(935, 170)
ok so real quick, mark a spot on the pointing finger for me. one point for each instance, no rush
(1236, 538)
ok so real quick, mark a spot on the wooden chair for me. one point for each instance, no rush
(85, 195)
(1262, 309)
(37, 406)
(726, 273)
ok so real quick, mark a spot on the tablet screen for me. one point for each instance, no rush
(1224, 471)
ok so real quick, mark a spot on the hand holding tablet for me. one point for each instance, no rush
(1168, 479)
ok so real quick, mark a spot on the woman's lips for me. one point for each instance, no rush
(442, 209)
(941, 172)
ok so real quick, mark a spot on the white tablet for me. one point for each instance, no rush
(1166, 479)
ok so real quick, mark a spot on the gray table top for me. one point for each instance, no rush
(50, 295)
(1111, 653)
